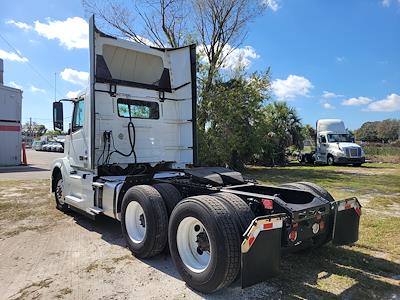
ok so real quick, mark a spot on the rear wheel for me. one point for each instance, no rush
(240, 211)
(170, 195)
(144, 221)
(204, 243)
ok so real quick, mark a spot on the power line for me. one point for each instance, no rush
(28, 63)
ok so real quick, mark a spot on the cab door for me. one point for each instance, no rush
(322, 149)
(78, 150)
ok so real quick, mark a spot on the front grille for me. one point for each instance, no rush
(353, 152)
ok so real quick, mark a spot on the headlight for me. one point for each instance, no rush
(339, 153)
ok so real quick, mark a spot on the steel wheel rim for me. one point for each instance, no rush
(60, 191)
(330, 160)
(187, 236)
(135, 222)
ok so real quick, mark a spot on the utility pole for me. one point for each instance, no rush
(30, 127)
(55, 86)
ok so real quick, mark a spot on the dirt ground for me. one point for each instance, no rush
(46, 254)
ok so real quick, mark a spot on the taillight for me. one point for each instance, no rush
(321, 225)
(293, 235)
(268, 203)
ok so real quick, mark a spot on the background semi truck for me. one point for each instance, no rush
(131, 155)
(333, 145)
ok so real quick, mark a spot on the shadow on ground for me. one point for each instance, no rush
(21, 169)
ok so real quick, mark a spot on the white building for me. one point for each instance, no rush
(10, 123)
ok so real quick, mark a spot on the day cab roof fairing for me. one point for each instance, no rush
(121, 69)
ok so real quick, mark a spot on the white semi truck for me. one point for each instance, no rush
(334, 145)
(130, 154)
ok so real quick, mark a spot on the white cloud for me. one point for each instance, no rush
(390, 104)
(77, 77)
(327, 95)
(239, 58)
(387, 3)
(235, 59)
(340, 59)
(356, 101)
(20, 25)
(327, 105)
(71, 33)
(272, 4)
(73, 94)
(15, 85)
(12, 56)
(291, 87)
(35, 89)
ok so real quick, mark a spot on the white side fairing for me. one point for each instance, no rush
(154, 88)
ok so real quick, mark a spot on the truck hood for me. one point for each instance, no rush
(345, 145)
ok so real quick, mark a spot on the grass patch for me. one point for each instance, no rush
(370, 179)
(380, 234)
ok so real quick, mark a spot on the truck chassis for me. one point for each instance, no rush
(213, 219)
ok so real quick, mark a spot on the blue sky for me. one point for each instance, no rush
(329, 59)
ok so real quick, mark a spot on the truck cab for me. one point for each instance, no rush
(335, 145)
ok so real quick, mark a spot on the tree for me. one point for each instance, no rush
(388, 130)
(368, 132)
(33, 129)
(229, 137)
(280, 128)
(379, 131)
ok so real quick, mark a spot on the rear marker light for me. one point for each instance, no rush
(358, 210)
(268, 226)
(293, 235)
(251, 240)
(268, 203)
(321, 225)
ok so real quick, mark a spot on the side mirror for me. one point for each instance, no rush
(58, 116)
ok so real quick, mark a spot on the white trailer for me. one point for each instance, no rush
(130, 154)
(10, 123)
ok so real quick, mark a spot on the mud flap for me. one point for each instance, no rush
(346, 222)
(261, 250)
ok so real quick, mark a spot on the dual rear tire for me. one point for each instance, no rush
(204, 232)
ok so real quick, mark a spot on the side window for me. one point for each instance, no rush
(78, 116)
(136, 109)
(323, 139)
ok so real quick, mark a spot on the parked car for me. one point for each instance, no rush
(38, 145)
(48, 146)
(57, 147)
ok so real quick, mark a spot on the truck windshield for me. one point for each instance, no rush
(337, 138)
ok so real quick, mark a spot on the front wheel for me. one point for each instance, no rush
(204, 243)
(59, 193)
(330, 160)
